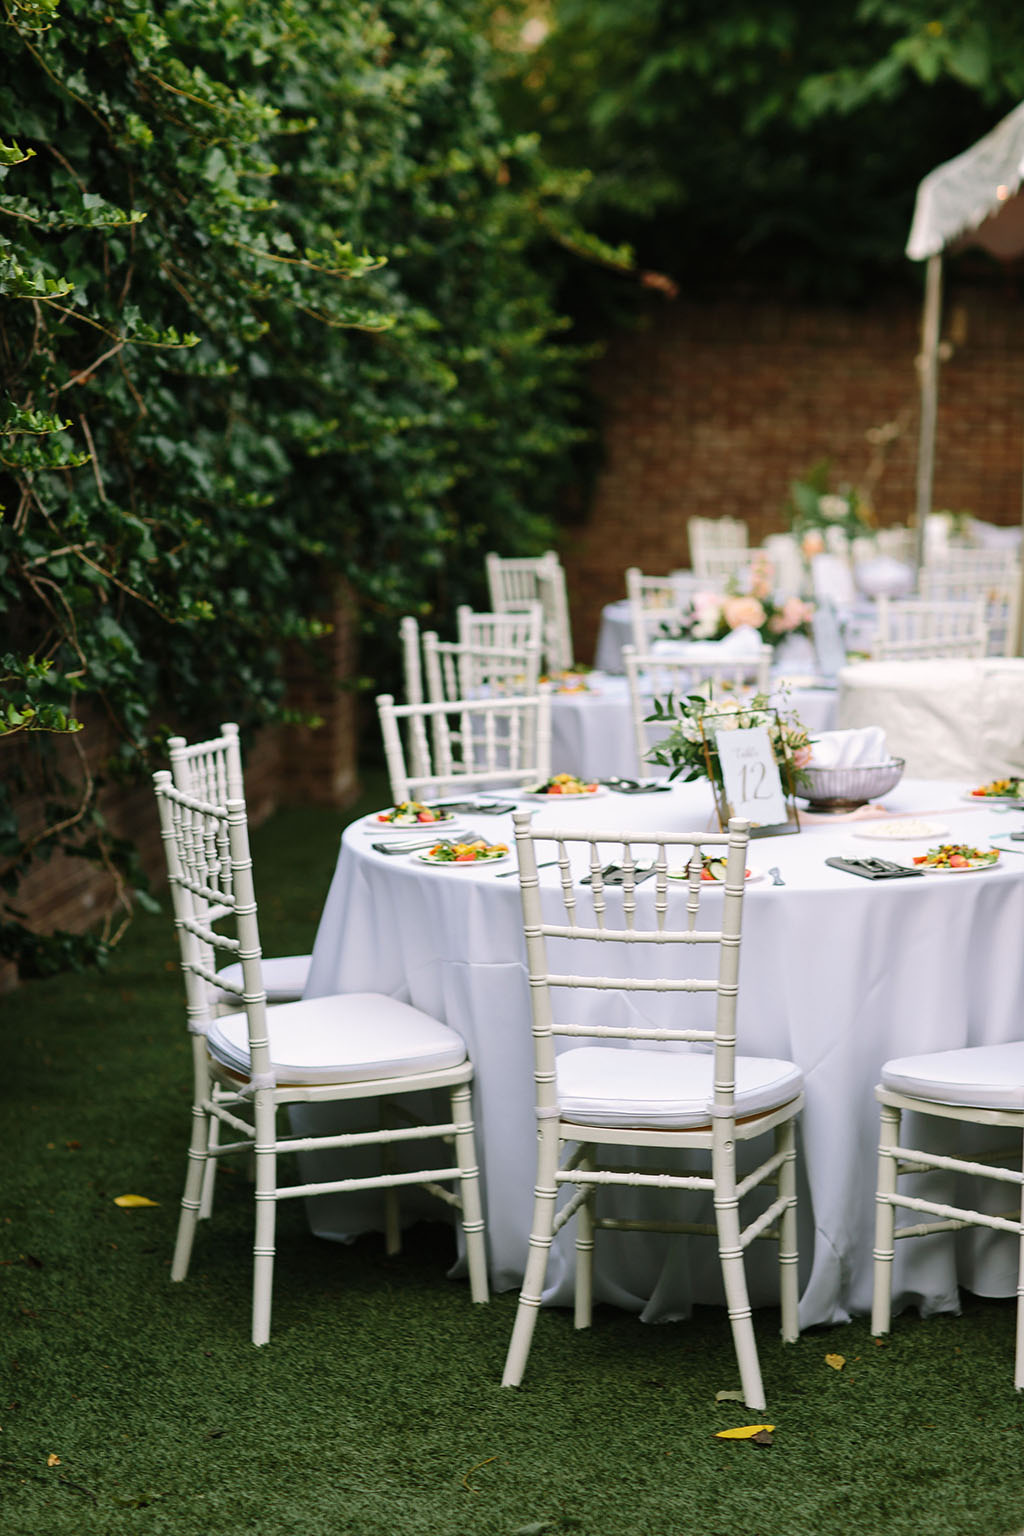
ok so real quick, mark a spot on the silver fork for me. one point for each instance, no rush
(506, 874)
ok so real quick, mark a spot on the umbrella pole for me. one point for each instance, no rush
(928, 374)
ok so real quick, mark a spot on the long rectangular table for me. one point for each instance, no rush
(837, 974)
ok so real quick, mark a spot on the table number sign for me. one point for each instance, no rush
(748, 782)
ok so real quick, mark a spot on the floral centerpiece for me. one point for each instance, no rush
(688, 752)
(814, 511)
(713, 615)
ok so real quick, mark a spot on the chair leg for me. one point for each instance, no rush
(585, 1251)
(734, 1277)
(469, 1186)
(545, 1194)
(392, 1204)
(885, 1220)
(210, 1171)
(197, 1160)
(265, 1114)
(789, 1279)
(1018, 1367)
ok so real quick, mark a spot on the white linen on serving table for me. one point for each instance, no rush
(948, 718)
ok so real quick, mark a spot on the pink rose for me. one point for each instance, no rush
(794, 613)
(802, 756)
(743, 610)
(762, 578)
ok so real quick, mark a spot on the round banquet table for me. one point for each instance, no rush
(837, 974)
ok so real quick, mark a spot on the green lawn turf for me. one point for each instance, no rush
(376, 1409)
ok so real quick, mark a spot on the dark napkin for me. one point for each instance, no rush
(873, 869)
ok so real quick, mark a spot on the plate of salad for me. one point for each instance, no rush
(713, 871)
(461, 855)
(1001, 791)
(956, 859)
(409, 814)
(563, 784)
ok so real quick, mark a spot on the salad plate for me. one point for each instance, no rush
(956, 859)
(713, 872)
(408, 816)
(563, 786)
(464, 855)
(998, 792)
(905, 829)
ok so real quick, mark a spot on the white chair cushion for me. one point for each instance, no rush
(284, 978)
(599, 1085)
(982, 1076)
(344, 1039)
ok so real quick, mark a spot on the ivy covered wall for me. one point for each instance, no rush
(267, 320)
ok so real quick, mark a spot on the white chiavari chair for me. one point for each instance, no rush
(455, 671)
(714, 535)
(515, 582)
(511, 631)
(913, 628)
(654, 602)
(652, 677)
(976, 1086)
(617, 1086)
(969, 575)
(475, 743)
(359, 1046)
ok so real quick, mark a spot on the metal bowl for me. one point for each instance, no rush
(844, 789)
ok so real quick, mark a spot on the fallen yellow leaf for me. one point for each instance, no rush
(835, 1361)
(52, 1460)
(133, 1200)
(744, 1432)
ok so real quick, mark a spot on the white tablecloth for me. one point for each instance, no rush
(592, 729)
(946, 718)
(837, 974)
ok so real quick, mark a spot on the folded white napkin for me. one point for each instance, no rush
(832, 579)
(742, 641)
(884, 577)
(864, 748)
(992, 536)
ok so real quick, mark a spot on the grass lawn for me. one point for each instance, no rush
(376, 1409)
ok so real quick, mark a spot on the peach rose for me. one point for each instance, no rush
(743, 610)
(812, 544)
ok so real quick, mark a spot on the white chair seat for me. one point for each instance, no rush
(599, 1085)
(980, 1076)
(351, 1038)
(284, 979)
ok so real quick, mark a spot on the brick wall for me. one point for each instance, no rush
(711, 410)
(283, 765)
